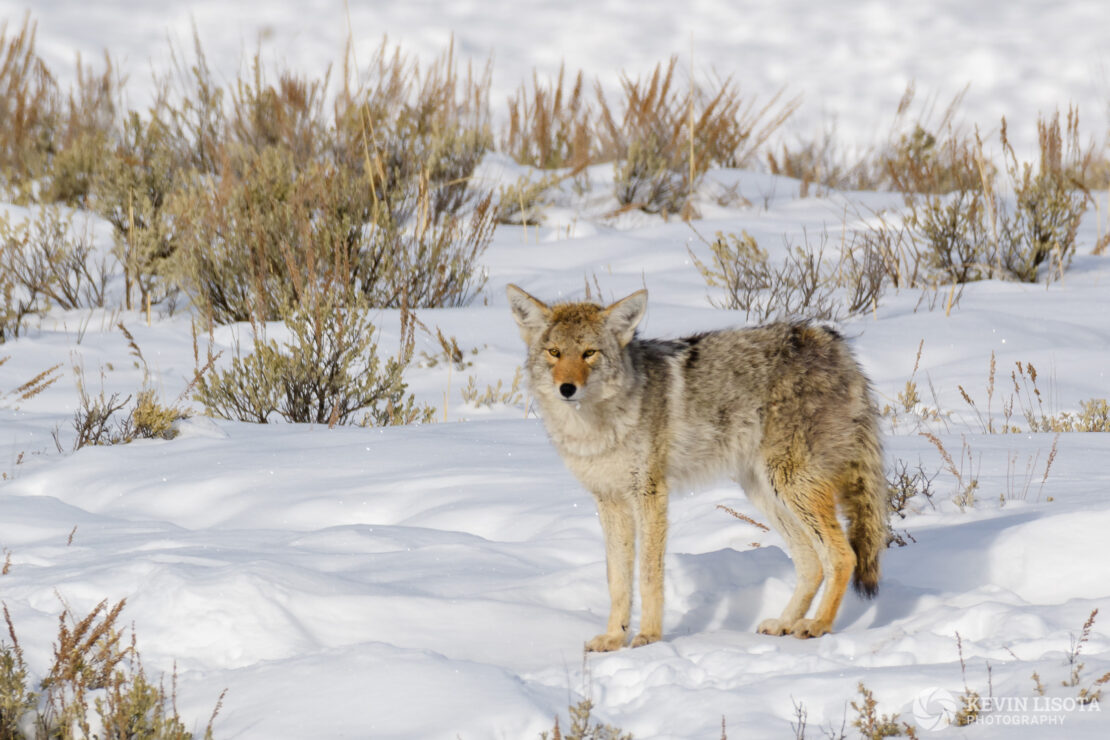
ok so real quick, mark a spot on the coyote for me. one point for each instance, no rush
(782, 409)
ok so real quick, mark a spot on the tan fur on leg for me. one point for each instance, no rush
(816, 507)
(618, 526)
(807, 568)
(651, 513)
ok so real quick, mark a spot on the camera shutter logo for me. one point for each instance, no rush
(934, 708)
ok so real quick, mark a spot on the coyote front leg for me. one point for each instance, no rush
(652, 524)
(618, 525)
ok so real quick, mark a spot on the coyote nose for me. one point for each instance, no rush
(567, 389)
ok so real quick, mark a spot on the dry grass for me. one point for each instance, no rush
(906, 485)
(95, 680)
(381, 174)
(1027, 400)
(653, 172)
(963, 224)
(35, 385)
(666, 137)
(16, 699)
(268, 197)
(966, 473)
(48, 261)
(873, 725)
(924, 152)
(1087, 694)
(494, 395)
(1018, 484)
(967, 220)
(743, 517)
(979, 231)
(804, 285)
(551, 127)
(584, 727)
(662, 133)
(372, 186)
(27, 98)
(48, 132)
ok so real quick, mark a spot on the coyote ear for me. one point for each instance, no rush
(531, 315)
(623, 316)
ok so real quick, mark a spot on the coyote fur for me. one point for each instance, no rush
(782, 409)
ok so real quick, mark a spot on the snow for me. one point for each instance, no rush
(850, 62)
(439, 580)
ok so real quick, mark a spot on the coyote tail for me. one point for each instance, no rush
(866, 507)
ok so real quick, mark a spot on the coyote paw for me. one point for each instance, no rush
(810, 628)
(774, 627)
(645, 638)
(605, 643)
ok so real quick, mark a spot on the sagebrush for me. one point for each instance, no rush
(94, 687)
(327, 372)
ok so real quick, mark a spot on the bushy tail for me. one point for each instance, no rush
(865, 502)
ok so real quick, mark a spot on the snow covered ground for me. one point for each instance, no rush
(438, 581)
(849, 61)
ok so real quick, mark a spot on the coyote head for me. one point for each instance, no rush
(575, 350)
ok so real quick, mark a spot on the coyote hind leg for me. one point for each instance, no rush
(807, 567)
(805, 516)
(815, 509)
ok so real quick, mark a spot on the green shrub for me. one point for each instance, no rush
(328, 372)
(107, 420)
(87, 118)
(522, 203)
(978, 233)
(1049, 201)
(98, 421)
(953, 229)
(17, 301)
(871, 724)
(584, 727)
(249, 241)
(401, 126)
(645, 177)
(257, 242)
(132, 190)
(378, 203)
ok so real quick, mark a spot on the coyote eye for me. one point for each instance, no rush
(588, 354)
(554, 352)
